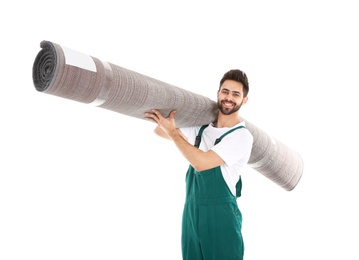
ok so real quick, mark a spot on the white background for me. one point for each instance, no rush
(81, 182)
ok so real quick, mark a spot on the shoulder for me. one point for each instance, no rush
(243, 136)
(243, 130)
(235, 147)
(236, 135)
(234, 131)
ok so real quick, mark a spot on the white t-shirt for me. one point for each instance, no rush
(234, 149)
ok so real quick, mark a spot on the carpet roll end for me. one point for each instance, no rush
(44, 66)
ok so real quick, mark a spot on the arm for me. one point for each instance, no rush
(198, 159)
(160, 132)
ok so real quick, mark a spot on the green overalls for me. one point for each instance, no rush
(212, 222)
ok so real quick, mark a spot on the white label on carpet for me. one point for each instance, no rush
(79, 59)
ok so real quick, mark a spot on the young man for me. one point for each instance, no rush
(217, 153)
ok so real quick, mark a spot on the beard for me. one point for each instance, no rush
(228, 111)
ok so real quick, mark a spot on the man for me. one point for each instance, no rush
(217, 153)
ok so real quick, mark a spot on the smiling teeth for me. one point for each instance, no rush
(228, 104)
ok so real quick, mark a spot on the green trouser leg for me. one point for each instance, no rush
(212, 222)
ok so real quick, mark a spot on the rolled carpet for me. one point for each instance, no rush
(69, 74)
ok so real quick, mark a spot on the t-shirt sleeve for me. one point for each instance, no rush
(235, 147)
(190, 133)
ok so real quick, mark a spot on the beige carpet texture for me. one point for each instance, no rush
(70, 74)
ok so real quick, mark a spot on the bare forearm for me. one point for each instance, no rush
(160, 132)
(167, 128)
(197, 158)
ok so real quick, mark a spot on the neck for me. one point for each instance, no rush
(227, 120)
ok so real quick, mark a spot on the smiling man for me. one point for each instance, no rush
(217, 153)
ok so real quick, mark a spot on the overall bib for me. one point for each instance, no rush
(212, 222)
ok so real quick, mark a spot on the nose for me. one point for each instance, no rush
(229, 97)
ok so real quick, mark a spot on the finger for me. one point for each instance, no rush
(172, 114)
(158, 114)
(151, 117)
(151, 114)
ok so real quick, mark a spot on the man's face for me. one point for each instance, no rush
(230, 97)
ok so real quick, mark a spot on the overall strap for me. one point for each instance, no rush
(239, 183)
(198, 137)
(198, 141)
(228, 132)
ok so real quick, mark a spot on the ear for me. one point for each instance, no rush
(245, 100)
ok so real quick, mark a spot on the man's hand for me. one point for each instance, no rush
(200, 160)
(166, 124)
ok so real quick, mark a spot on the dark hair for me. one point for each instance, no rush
(239, 76)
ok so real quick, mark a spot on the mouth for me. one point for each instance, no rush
(227, 104)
